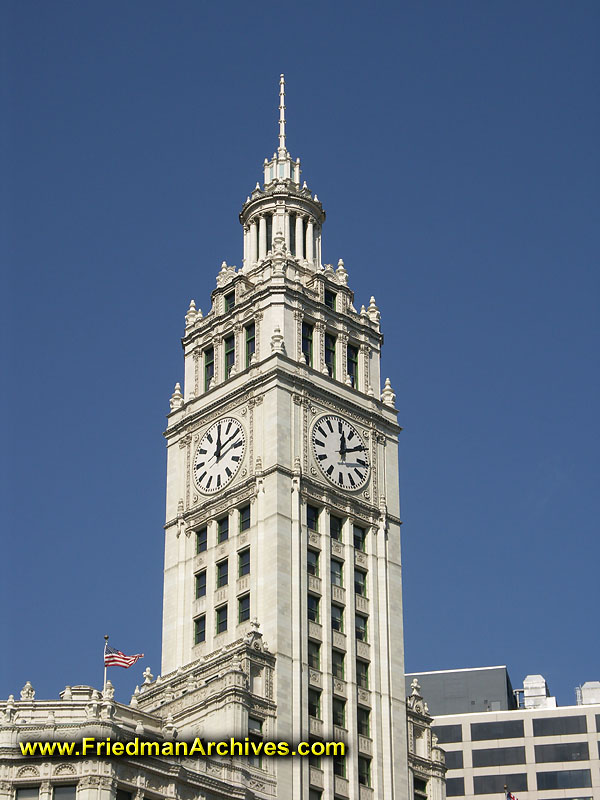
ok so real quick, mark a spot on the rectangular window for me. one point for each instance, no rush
(307, 343)
(564, 779)
(352, 359)
(362, 674)
(339, 712)
(255, 734)
(243, 562)
(201, 540)
(330, 354)
(243, 608)
(454, 759)
(420, 787)
(337, 572)
(313, 608)
(364, 771)
(250, 342)
(222, 573)
(337, 618)
(123, 795)
(244, 518)
(314, 703)
(209, 367)
(339, 766)
(315, 794)
(229, 355)
(312, 518)
(27, 793)
(222, 529)
(360, 582)
(200, 584)
(498, 756)
(335, 528)
(200, 629)
(229, 301)
(364, 721)
(511, 729)
(360, 538)
(361, 627)
(563, 751)
(455, 787)
(69, 793)
(312, 563)
(448, 733)
(494, 784)
(559, 726)
(315, 761)
(330, 299)
(337, 664)
(221, 617)
(314, 655)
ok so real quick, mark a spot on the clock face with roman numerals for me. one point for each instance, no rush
(340, 452)
(219, 455)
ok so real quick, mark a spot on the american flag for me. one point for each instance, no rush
(115, 658)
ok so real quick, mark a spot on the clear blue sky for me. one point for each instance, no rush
(455, 149)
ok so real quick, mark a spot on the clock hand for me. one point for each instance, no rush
(218, 443)
(229, 448)
(354, 449)
(343, 450)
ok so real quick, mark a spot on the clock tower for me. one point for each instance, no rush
(282, 509)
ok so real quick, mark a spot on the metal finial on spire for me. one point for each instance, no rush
(282, 150)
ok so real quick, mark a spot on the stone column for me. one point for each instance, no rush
(253, 243)
(246, 246)
(319, 346)
(310, 240)
(286, 229)
(299, 236)
(363, 366)
(262, 238)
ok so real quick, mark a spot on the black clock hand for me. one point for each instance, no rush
(354, 449)
(343, 450)
(230, 446)
(218, 444)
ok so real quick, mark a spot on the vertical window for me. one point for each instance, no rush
(313, 608)
(70, 793)
(201, 540)
(200, 629)
(361, 627)
(360, 582)
(315, 794)
(337, 618)
(314, 703)
(307, 343)
(315, 761)
(330, 299)
(244, 518)
(312, 518)
(200, 584)
(229, 355)
(339, 766)
(243, 608)
(222, 573)
(364, 771)
(337, 664)
(421, 789)
(362, 674)
(330, 354)
(339, 712)
(243, 562)
(229, 301)
(364, 721)
(209, 367)
(314, 655)
(255, 734)
(221, 617)
(352, 359)
(312, 563)
(250, 342)
(27, 793)
(292, 236)
(223, 529)
(337, 572)
(335, 528)
(270, 221)
(360, 538)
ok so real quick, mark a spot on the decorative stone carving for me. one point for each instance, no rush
(176, 401)
(148, 676)
(277, 343)
(387, 395)
(190, 317)
(28, 692)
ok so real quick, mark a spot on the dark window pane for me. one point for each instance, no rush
(314, 655)
(360, 582)
(598, 722)
(335, 528)
(337, 618)
(362, 674)
(222, 573)
(314, 703)
(312, 563)
(199, 629)
(337, 664)
(223, 529)
(337, 572)
(68, 793)
(307, 343)
(563, 751)
(455, 787)
(244, 608)
(330, 354)
(498, 756)
(511, 729)
(27, 793)
(360, 625)
(201, 584)
(244, 562)
(339, 712)
(229, 301)
(244, 518)
(339, 766)
(229, 355)
(565, 779)
(494, 784)
(250, 343)
(312, 518)
(330, 299)
(352, 359)
(360, 537)
(221, 619)
(448, 733)
(559, 726)
(313, 608)
(364, 771)
(364, 721)
(201, 540)
(209, 366)
(454, 759)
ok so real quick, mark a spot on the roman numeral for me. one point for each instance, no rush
(209, 437)
(218, 481)
(361, 462)
(202, 451)
(350, 435)
(235, 458)
(321, 431)
(228, 471)
(209, 481)
(359, 473)
(322, 456)
(340, 479)
(340, 426)
(201, 478)
(228, 428)
(351, 479)
(330, 470)
(321, 444)
(329, 425)
(199, 466)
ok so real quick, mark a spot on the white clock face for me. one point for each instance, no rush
(219, 455)
(340, 452)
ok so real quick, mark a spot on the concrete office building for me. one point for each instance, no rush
(495, 736)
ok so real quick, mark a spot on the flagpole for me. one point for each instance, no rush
(105, 643)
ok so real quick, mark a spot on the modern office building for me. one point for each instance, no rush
(496, 736)
(282, 573)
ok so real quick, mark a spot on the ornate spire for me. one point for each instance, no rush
(282, 150)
